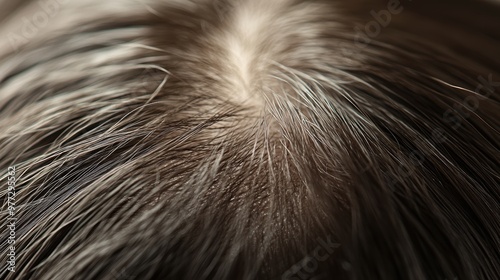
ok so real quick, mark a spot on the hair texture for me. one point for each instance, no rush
(224, 139)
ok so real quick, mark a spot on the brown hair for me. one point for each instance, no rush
(253, 140)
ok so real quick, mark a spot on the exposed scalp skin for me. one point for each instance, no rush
(223, 139)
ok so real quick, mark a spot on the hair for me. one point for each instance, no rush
(251, 139)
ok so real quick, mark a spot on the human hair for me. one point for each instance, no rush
(250, 139)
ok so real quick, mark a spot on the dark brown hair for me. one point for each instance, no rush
(257, 139)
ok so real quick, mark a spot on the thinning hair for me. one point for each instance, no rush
(229, 139)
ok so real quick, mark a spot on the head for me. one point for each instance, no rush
(251, 139)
